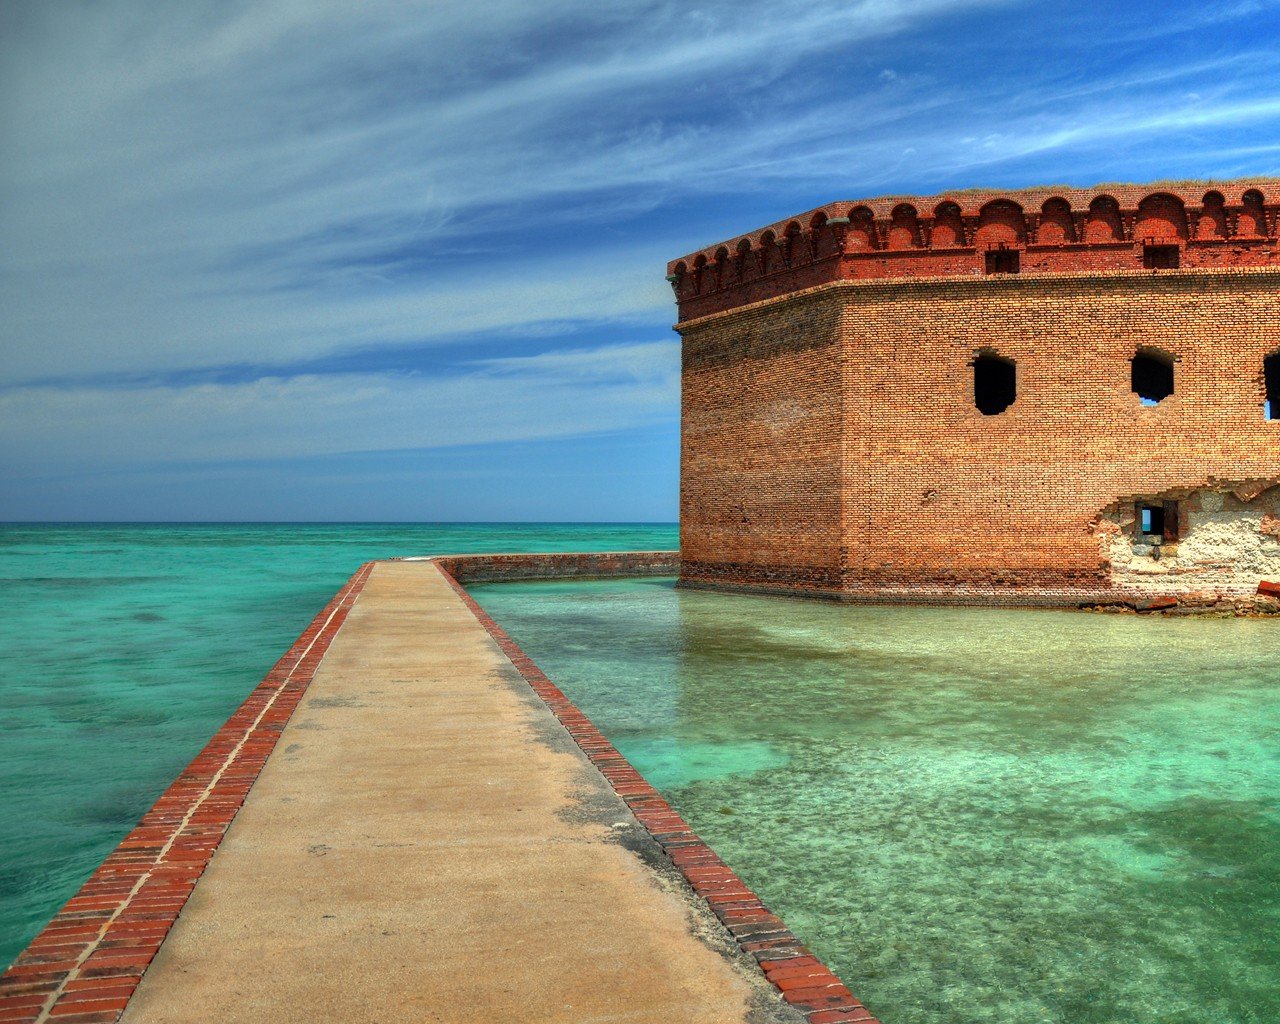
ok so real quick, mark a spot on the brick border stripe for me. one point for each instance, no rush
(86, 963)
(804, 981)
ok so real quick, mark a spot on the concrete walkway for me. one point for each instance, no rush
(427, 844)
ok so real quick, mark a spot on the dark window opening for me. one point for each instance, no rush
(1160, 257)
(1152, 378)
(1157, 523)
(995, 384)
(1271, 376)
(1003, 261)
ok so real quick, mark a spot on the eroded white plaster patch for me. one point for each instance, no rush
(1226, 547)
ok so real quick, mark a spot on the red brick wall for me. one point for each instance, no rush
(761, 490)
(864, 466)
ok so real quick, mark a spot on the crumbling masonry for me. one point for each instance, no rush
(1053, 396)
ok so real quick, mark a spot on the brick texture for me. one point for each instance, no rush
(831, 442)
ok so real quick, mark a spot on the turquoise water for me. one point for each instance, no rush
(972, 815)
(123, 648)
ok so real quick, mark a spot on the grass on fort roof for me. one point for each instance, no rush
(1064, 187)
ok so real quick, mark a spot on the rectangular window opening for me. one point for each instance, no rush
(1158, 520)
(1160, 257)
(1151, 520)
(1003, 261)
(1271, 381)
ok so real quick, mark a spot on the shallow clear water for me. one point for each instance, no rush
(972, 815)
(123, 648)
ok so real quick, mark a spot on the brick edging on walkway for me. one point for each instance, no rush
(84, 966)
(803, 980)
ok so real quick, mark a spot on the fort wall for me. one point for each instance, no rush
(762, 467)
(832, 443)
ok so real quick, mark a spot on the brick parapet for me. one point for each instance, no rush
(1053, 230)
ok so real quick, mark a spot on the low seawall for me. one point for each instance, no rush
(559, 565)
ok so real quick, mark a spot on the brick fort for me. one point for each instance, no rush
(1050, 396)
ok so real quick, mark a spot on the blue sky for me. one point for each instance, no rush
(307, 259)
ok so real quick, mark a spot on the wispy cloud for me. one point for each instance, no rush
(552, 395)
(198, 182)
(191, 186)
(203, 183)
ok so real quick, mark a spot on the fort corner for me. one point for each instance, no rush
(1051, 396)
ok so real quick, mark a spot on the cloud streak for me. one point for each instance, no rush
(199, 183)
(191, 188)
(203, 183)
(552, 395)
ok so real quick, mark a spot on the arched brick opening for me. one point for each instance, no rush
(1161, 218)
(793, 247)
(1253, 217)
(862, 229)
(1212, 222)
(681, 283)
(770, 254)
(1001, 221)
(1102, 223)
(722, 272)
(948, 228)
(822, 239)
(1056, 226)
(904, 227)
